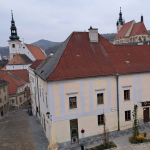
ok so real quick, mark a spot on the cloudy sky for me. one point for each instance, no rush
(54, 20)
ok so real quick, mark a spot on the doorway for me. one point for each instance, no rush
(74, 130)
(146, 114)
(1, 113)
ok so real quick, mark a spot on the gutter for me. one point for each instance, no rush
(117, 101)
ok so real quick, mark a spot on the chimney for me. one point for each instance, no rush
(141, 18)
(93, 34)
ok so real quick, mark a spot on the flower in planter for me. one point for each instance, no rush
(140, 138)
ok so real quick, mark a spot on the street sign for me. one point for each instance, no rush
(82, 131)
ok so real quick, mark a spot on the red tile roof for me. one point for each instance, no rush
(138, 29)
(36, 51)
(82, 58)
(4, 68)
(36, 64)
(21, 73)
(14, 82)
(20, 59)
(122, 32)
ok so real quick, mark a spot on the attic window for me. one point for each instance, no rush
(127, 62)
(42, 71)
(23, 47)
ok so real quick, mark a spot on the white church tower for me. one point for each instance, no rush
(14, 42)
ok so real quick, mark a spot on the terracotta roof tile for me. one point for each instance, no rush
(20, 59)
(21, 73)
(14, 82)
(82, 58)
(36, 51)
(138, 29)
(122, 32)
(36, 63)
(4, 68)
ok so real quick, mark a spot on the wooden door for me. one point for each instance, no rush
(146, 114)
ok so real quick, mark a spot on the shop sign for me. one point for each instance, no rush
(147, 103)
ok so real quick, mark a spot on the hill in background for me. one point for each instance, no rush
(44, 44)
(50, 46)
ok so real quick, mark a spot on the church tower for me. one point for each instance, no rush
(120, 22)
(14, 42)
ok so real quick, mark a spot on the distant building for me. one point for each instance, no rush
(4, 98)
(18, 87)
(131, 31)
(19, 61)
(15, 47)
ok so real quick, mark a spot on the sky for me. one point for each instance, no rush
(55, 20)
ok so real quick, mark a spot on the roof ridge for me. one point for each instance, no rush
(53, 60)
(62, 52)
(11, 75)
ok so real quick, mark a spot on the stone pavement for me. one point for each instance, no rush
(17, 132)
(120, 138)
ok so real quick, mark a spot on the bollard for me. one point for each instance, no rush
(82, 147)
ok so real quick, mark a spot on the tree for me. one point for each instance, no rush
(105, 134)
(135, 121)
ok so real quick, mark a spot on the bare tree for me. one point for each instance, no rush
(105, 134)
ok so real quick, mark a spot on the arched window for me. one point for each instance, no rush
(140, 39)
(13, 45)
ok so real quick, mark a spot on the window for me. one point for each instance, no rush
(12, 101)
(126, 94)
(101, 119)
(46, 102)
(43, 96)
(127, 115)
(0, 100)
(13, 45)
(23, 47)
(72, 102)
(20, 100)
(0, 91)
(100, 98)
(4, 88)
(5, 97)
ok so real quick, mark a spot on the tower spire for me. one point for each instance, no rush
(13, 29)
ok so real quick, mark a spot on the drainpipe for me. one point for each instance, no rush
(117, 102)
(38, 95)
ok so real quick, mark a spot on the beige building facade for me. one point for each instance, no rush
(4, 98)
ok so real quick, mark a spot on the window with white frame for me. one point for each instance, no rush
(127, 94)
(72, 102)
(100, 119)
(100, 98)
(128, 115)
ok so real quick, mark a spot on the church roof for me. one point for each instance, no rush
(20, 59)
(36, 51)
(77, 57)
(122, 32)
(138, 29)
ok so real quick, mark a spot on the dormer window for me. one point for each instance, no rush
(13, 45)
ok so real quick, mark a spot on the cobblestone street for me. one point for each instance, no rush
(17, 132)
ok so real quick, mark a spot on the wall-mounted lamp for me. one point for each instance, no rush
(47, 114)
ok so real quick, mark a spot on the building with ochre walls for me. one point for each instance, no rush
(88, 81)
